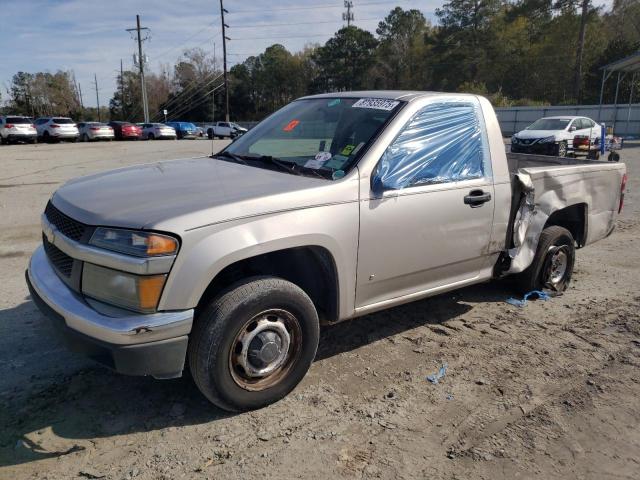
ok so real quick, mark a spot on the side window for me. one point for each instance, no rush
(444, 142)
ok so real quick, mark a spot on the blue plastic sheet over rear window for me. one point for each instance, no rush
(444, 142)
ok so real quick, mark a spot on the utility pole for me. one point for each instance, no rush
(122, 90)
(80, 92)
(348, 15)
(95, 79)
(138, 29)
(224, 54)
(577, 73)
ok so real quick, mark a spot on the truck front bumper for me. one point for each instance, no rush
(129, 343)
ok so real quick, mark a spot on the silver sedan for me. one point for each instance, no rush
(90, 131)
(152, 131)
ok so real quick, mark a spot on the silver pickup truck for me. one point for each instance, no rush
(333, 207)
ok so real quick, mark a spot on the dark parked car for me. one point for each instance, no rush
(184, 129)
(126, 130)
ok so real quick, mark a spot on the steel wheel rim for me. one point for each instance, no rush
(558, 264)
(265, 349)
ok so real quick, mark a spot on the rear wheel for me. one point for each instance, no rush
(85, 137)
(552, 265)
(254, 343)
(151, 136)
(46, 137)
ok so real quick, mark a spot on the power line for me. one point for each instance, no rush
(257, 25)
(187, 99)
(172, 49)
(314, 7)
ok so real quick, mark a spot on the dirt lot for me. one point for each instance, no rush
(547, 391)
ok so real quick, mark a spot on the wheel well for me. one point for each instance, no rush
(311, 268)
(574, 219)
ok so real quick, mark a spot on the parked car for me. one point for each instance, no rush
(200, 133)
(90, 131)
(336, 206)
(125, 130)
(16, 128)
(554, 136)
(152, 131)
(55, 129)
(225, 130)
(183, 129)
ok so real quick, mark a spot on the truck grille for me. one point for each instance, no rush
(67, 226)
(62, 262)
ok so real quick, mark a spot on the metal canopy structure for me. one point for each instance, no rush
(626, 66)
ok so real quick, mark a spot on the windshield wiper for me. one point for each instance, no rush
(232, 156)
(282, 165)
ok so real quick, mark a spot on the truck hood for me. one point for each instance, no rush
(531, 134)
(180, 195)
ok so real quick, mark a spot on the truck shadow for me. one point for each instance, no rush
(93, 402)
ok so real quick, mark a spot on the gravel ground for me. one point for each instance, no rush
(547, 391)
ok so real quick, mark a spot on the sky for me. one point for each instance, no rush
(90, 37)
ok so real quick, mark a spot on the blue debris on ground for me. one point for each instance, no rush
(534, 293)
(436, 377)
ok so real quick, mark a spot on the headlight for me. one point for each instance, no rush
(130, 242)
(548, 139)
(514, 139)
(134, 292)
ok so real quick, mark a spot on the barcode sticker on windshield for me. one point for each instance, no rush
(376, 103)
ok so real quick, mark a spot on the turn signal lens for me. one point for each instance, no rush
(149, 290)
(160, 245)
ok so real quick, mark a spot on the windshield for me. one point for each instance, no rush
(318, 136)
(549, 124)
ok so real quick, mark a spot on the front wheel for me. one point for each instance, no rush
(254, 343)
(552, 265)
(561, 149)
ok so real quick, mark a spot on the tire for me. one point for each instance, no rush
(593, 155)
(216, 350)
(614, 157)
(151, 136)
(552, 265)
(561, 149)
(85, 137)
(3, 141)
(46, 138)
(73, 140)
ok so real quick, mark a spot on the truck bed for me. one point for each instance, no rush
(588, 191)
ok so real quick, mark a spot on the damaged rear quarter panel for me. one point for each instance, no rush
(548, 190)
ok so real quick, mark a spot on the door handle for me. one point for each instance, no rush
(477, 198)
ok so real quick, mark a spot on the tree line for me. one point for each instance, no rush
(516, 52)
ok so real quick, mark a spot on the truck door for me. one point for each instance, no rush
(426, 220)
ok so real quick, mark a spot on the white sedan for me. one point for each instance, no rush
(152, 131)
(555, 136)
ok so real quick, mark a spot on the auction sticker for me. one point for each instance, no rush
(376, 103)
(319, 160)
